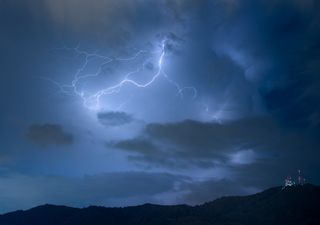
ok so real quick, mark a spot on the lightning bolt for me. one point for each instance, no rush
(92, 100)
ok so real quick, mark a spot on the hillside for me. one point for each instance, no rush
(299, 205)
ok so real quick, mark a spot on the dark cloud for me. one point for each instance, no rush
(198, 143)
(248, 142)
(277, 45)
(114, 119)
(97, 18)
(137, 145)
(48, 135)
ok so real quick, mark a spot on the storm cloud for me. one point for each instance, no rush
(48, 135)
(243, 146)
(234, 108)
(194, 143)
(114, 119)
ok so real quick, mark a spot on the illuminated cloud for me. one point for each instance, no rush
(243, 157)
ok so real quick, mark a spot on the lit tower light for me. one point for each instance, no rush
(288, 182)
(301, 179)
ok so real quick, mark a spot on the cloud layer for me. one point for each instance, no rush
(193, 143)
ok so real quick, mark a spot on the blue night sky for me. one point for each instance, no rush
(123, 102)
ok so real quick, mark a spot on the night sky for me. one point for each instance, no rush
(123, 102)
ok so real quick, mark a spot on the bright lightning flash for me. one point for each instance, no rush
(92, 100)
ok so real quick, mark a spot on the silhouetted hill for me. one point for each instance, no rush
(299, 205)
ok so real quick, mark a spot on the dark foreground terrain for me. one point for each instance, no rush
(291, 206)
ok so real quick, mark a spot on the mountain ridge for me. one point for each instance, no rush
(293, 205)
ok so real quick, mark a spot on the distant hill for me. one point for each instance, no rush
(297, 205)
